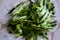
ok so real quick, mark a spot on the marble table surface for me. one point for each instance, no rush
(6, 5)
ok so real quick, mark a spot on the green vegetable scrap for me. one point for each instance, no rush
(32, 20)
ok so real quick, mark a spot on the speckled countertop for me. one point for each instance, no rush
(6, 5)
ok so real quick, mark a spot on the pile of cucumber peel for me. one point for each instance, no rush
(32, 19)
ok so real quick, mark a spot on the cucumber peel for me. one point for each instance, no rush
(32, 20)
